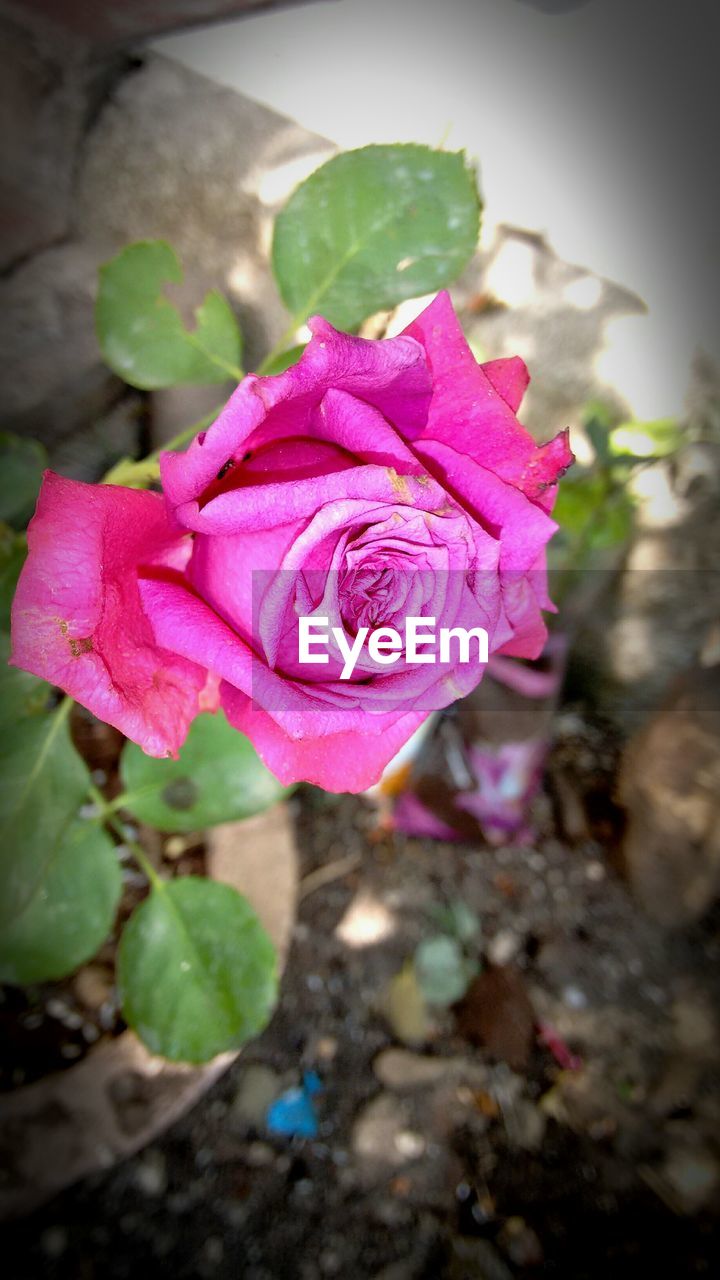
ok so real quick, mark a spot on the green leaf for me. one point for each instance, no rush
(22, 463)
(197, 972)
(141, 333)
(581, 496)
(373, 227)
(598, 423)
(22, 696)
(458, 920)
(217, 778)
(644, 440)
(13, 550)
(443, 972)
(43, 782)
(70, 911)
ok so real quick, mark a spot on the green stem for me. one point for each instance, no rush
(186, 434)
(126, 799)
(144, 471)
(135, 848)
(280, 346)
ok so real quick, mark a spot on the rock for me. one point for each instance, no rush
(695, 1026)
(93, 985)
(47, 88)
(126, 22)
(174, 155)
(693, 1174)
(503, 947)
(258, 1086)
(400, 1069)
(525, 1125)
(54, 1242)
(669, 784)
(520, 1243)
(53, 377)
(173, 409)
(403, 1004)
(377, 1135)
(151, 1172)
(89, 453)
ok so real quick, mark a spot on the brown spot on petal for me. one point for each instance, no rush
(79, 647)
(400, 485)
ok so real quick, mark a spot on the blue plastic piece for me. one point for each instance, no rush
(292, 1115)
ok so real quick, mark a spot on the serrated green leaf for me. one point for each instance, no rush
(70, 911)
(373, 227)
(142, 335)
(218, 777)
(43, 782)
(442, 970)
(22, 463)
(197, 973)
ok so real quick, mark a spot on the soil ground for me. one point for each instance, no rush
(438, 1158)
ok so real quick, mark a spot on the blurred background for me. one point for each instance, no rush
(501, 1002)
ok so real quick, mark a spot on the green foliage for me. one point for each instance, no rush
(595, 506)
(646, 440)
(196, 970)
(443, 971)
(42, 784)
(22, 463)
(142, 334)
(458, 921)
(284, 360)
(70, 911)
(217, 778)
(13, 550)
(59, 879)
(373, 227)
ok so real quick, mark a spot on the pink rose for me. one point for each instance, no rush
(370, 482)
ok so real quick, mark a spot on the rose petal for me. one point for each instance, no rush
(510, 379)
(338, 762)
(466, 403)
(77, 619)
(390, 375)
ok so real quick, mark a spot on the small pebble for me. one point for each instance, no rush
(408, 1144)
(213, 1250)
(54, 1242)
(151, 1173)
(57, 1008)
(503, 947)
(574, 997)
